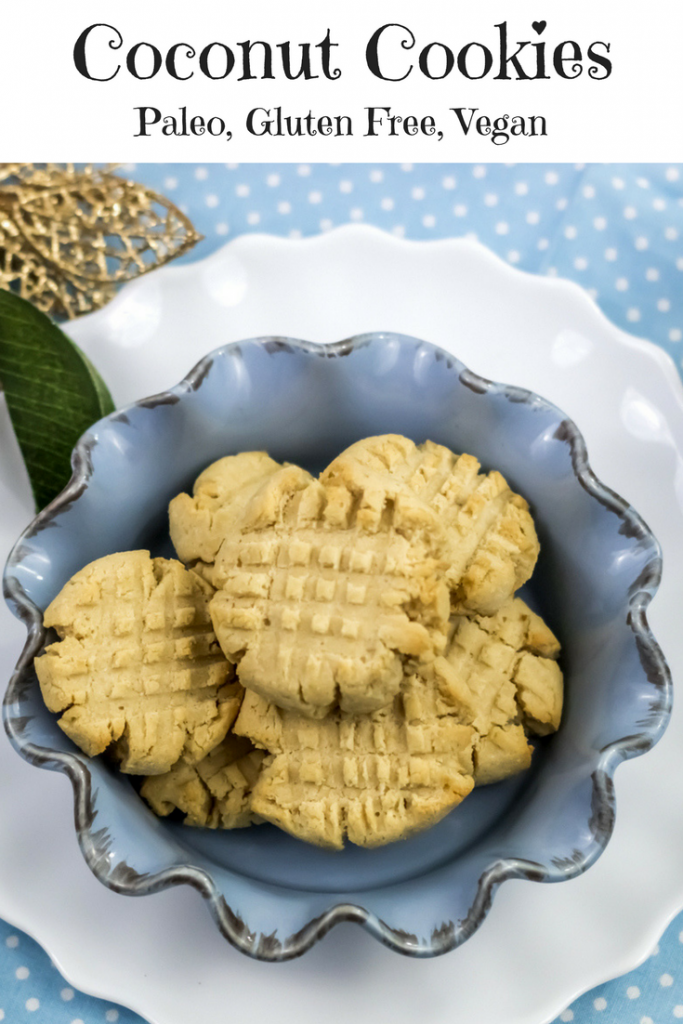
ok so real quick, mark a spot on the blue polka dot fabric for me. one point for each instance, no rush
(616, 230)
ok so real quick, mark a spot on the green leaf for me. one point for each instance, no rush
(53, 393)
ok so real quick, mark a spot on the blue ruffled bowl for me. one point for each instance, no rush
(271, 895)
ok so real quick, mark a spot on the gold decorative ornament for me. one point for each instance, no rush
(68, 237)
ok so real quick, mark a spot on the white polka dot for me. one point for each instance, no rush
(67, 994)
(22, 973)
(570, 231)
(212, 201)
(315, 197)
(567, 1015)
(326, 224)
(580, 262)
(551, 178)
(253, 217)
(659, 204)
(170, 184)
(561, 204)
(551, 271)
(588, 192)
(600, 223)
(242, 191)
(2, 1014)
(294, 233)
(398, 230)
(600, 1003)
(417, 193)
(533, 217)
(356, 213)
(273, 180)
(678, 1010)
(641, 243)
(472, 236)
(376, 177)
(478, 171)
(579, 167)
(521, 188)
(666, 981)
(502, 227)
(672, 174)
(12, 941)
(610, 254)
(77, 1020)
(646, 1020)
(679, 266)
(460, 210)
(449, 182)
(346, 186)
(652, 274)
(303, 170)
(387, 203)
(630, 212)
(284, 207)
(112, 1016)
(542, 243)
(201, 173)
(617, 183)
(222, 228)
(671, 234)
(655, 951)
(642, 183)
(621, 284)
(429, 220)
(491, 199)
(663, 305)
(513, 256)
(633, 315)
(32, 1004)
(675, 334)
(232, 167)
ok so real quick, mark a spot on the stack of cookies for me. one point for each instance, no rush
(343, 657)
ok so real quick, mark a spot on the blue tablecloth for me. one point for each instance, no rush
(616, 230)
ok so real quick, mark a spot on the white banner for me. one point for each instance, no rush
(378, 81)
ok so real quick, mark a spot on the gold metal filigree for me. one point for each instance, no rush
(69, 236)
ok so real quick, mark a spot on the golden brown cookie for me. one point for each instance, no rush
(373, 778)
(322, 594)
(199, 523)
(458, 720)
(138, 670)
(215, 792)
(491, 540)
(500, 675)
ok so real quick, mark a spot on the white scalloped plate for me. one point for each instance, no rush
(541, 945)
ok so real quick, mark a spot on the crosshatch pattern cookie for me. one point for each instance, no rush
(491, 543)
(138, 669)
(374, 778)
(321, 594)
(500, 675)
(215, 792)
(459, 720)
(198, 524)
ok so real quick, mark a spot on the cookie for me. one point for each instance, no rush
(500, 675)
(215, 792)
(491, 542)
(138, 670)
(373, 778)
(199, 523)
(459, 720)
(322, 594)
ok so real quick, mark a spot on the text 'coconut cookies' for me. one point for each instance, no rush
(343, 657)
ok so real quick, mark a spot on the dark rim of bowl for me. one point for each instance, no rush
(124, 879)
